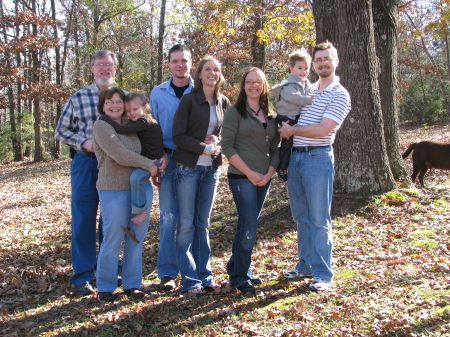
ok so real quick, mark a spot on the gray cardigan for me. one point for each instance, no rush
(190, 126)
(247, 137)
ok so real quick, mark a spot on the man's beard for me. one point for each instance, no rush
(105, 82)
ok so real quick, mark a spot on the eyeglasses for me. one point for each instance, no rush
(106, 65)
(111, 102)
(325, 60)
(251, 82)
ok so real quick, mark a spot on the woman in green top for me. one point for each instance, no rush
(250, 142)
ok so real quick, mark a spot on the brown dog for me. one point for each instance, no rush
(427, 155)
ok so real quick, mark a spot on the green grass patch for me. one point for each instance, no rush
(427, 244)
(346, 274)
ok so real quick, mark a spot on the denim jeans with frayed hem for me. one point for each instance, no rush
(249, 200)
(115, 207)
(310, 185)
(168, 211)
(196, 189)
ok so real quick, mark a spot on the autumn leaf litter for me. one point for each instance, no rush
(391, 258)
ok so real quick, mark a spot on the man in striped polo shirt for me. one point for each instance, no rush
(311, 169)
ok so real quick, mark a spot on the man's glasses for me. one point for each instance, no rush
(251, 82)
(104, 65)
(111, 102)
(325, 60)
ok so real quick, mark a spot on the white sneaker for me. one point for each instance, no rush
(294, 274)
(319, 284)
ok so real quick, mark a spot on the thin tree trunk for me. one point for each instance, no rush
(161, 40)
(258, 49)
(56, 144)
(37, 114)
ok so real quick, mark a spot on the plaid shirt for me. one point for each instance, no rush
(77, 119)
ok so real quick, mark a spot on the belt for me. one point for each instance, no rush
(86, 153)
(169, 151)
(300, 149)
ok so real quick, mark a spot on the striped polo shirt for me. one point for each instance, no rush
(333, 102)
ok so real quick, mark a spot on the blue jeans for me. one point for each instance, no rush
(138, 179)
(83, 175)
(115, 207)
(167, 259)
(310, 184)
(249, 200)
(196, 190)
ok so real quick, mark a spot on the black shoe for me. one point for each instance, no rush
(84, 289)
(134, 293)
(167, 283)
(283, 174)
(106, 296)
(256, 281)
(247, 287)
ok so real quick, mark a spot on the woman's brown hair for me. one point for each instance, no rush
(264, 102)
(198, 85)
(107, 94)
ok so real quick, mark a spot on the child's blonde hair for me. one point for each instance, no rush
(136, 95)
(143, 99)
(299, 55)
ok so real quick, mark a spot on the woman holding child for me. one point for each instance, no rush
(117, 155)
(196, 129)
(250, 142)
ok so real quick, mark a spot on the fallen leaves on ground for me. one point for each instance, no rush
(391, 258)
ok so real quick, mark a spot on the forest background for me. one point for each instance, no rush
(394, 60)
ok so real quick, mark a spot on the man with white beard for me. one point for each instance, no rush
(75, 129)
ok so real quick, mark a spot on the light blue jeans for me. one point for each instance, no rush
(116, 212)
(196, 190)
(249, 200)
(167, 259)
(139, 177)
(310, 184)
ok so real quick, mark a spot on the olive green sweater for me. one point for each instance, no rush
(117, 155)
(256, 145)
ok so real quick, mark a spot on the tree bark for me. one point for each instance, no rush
(385, 17)
(56, 148)
(362, 164)
(161, 41)
(37, 114)
(258, 49)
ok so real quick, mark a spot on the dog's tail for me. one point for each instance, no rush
(410, 148)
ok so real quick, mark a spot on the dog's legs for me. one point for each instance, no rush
(416, 170)
(422, 174)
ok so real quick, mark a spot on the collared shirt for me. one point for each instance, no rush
(164, 103)
(333, 102)
(77, 119)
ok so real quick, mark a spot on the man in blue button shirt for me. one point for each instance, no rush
(75, 129)
(164, 101)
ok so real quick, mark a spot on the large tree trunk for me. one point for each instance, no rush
(362, 164)
(385, 17)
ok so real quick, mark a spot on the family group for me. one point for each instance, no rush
(121, 140)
